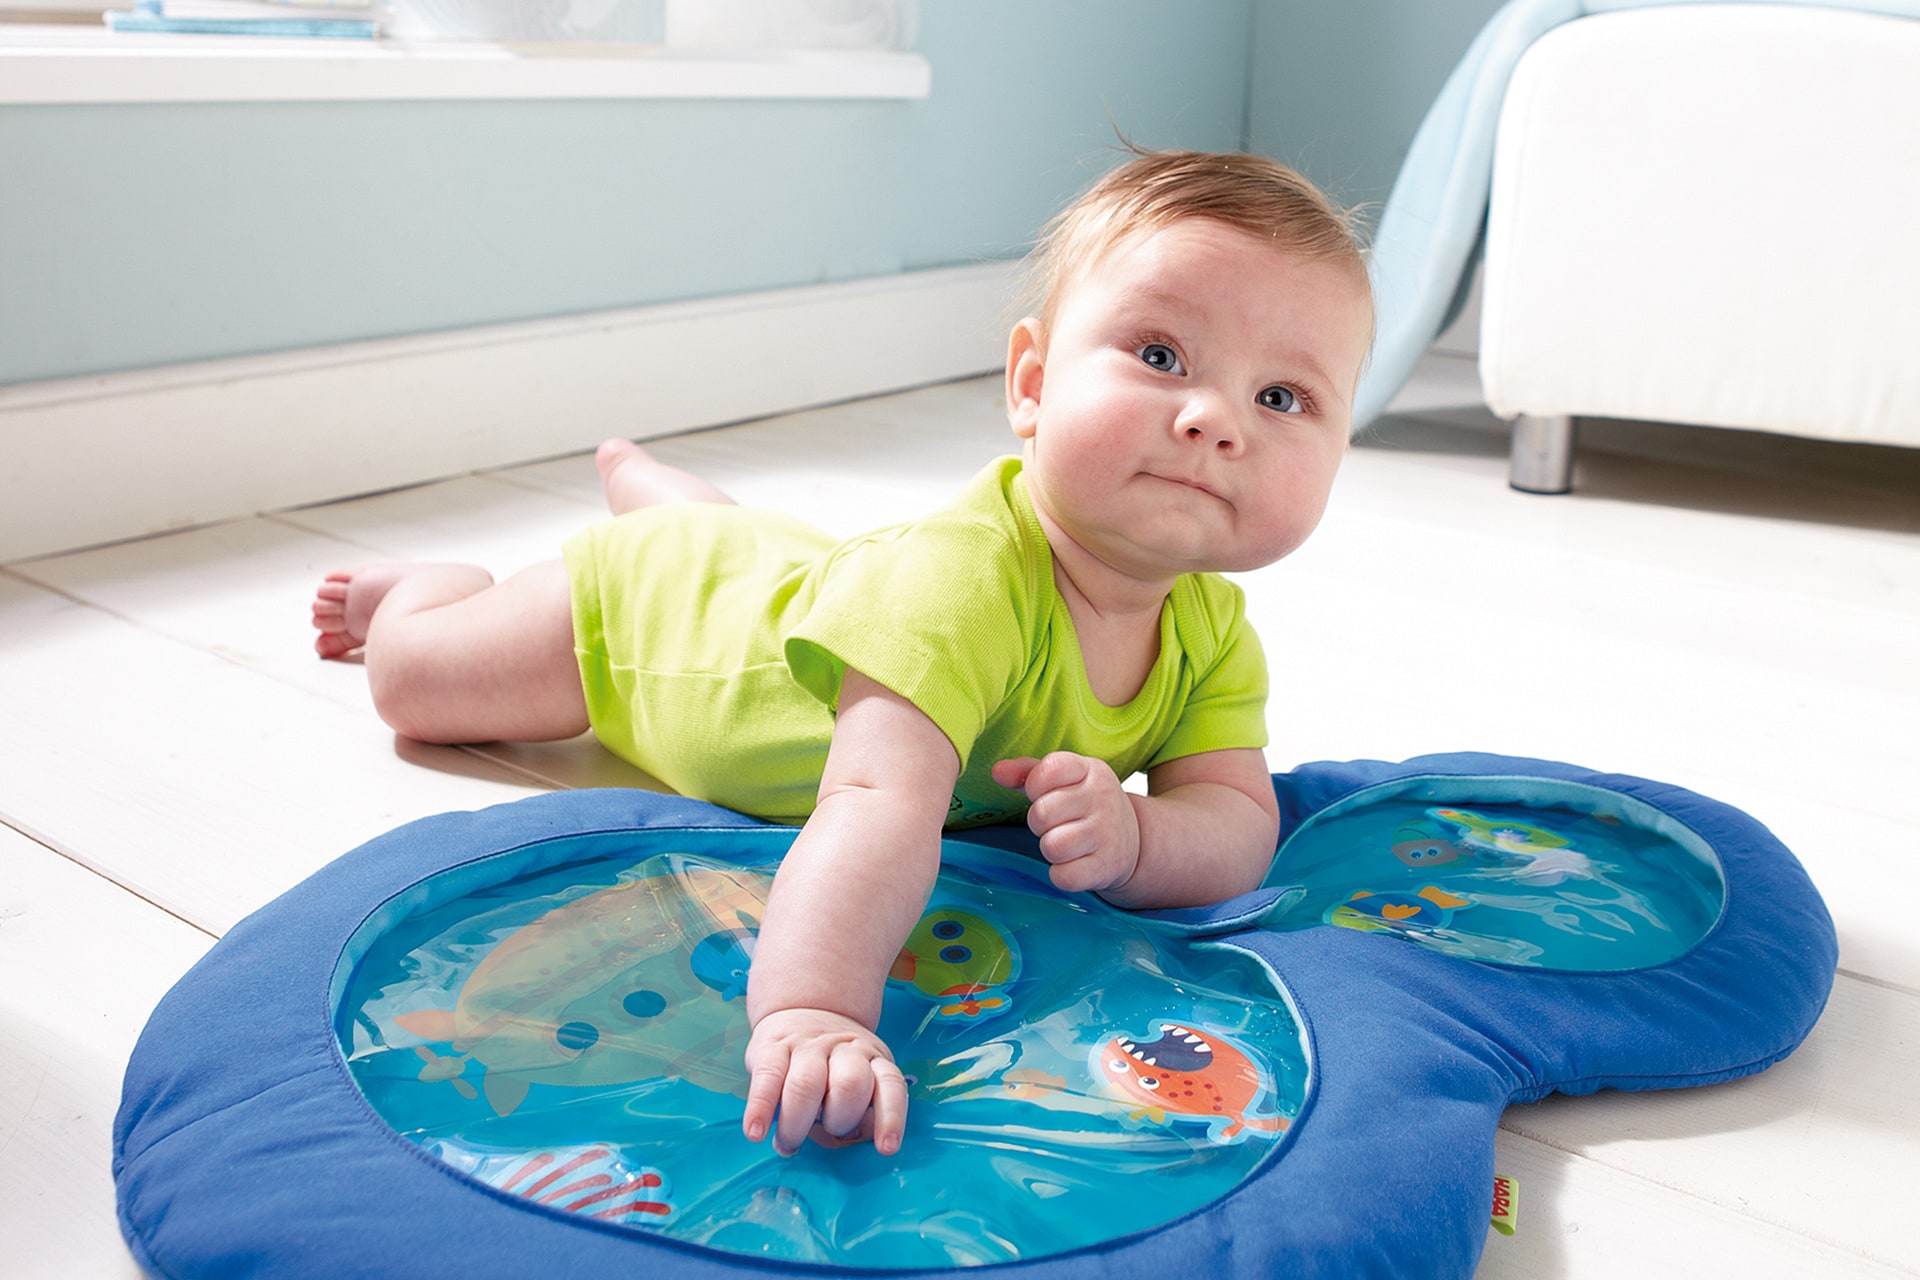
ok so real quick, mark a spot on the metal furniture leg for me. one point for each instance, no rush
(1540, 456)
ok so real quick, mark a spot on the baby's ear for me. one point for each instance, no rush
(1026, 368)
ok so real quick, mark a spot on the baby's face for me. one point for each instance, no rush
(1192, 400)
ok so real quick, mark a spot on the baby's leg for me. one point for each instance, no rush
(634, 478)
(454, 657)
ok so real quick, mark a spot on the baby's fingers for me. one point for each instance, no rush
(769, 1065)
(784, 1094)
(800, 1101)
(1012, 773)
(866, 1099)
(889, 1106)
(1085, 872)
(1059, 771)
(849, 1090)
(1065, 822)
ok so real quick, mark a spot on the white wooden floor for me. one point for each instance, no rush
(1744, 621)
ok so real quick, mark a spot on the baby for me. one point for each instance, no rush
(1183, 398)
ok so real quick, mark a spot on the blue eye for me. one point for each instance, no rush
(577, 1035)
(1160, 356)
(948, 929)
(645, 1004)
(1281, 400)
(956, 954)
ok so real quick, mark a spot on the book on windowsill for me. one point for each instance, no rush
(342, 20)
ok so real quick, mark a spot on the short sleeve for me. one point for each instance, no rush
(938, 611)
(1226, 708)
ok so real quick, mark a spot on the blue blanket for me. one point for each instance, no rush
(1429, 235)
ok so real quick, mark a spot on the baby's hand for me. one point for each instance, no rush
(826, 1074)
(1085, 822)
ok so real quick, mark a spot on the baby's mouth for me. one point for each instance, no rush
(1185, 483)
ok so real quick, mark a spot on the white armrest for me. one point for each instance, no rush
(1711, 214)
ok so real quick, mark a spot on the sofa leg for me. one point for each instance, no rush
(1540, 457)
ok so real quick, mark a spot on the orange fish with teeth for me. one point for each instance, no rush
(1192, 1075)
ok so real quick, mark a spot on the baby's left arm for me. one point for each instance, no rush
(1205, 831)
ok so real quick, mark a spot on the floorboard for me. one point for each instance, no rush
(84, 963)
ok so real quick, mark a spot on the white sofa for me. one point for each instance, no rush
(1706, 214)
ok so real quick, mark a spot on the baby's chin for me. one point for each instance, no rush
(1243, 548)
(1207, 558)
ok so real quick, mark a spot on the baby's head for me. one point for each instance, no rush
(1261, 197)
(1184, 388)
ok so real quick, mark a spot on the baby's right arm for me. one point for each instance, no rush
(847, 895)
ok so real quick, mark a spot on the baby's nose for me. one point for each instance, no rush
(1209, 420)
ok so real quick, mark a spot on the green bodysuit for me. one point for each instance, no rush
(712, 640)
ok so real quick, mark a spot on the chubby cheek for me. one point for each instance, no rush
(1090, 411)
(1297, 500)
(1095, 437)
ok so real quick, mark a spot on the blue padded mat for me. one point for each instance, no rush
(494, 1043)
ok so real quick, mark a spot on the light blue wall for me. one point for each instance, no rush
(1338, 87)
(135, 236)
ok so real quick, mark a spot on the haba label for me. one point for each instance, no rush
(1506, 1204)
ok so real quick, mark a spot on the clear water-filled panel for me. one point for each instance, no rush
(1513, 871)
(567, 1025)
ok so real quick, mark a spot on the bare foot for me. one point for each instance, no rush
(345, 601)
(634, 478)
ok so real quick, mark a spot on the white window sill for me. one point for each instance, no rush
(67, 64)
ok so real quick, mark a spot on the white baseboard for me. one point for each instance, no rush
(100, 459)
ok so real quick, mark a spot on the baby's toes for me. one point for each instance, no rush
(334, 644)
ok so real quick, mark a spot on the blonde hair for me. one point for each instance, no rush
(1261, 197)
